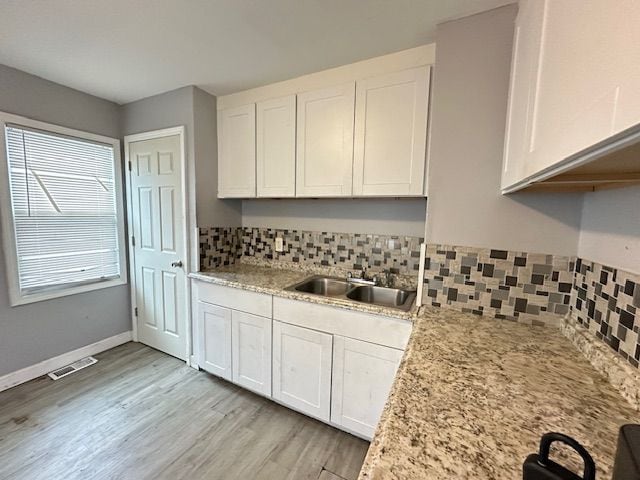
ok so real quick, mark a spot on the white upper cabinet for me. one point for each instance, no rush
(276, 147)
(575, 85)
(324, 158)
(237, 152)
(391, 134)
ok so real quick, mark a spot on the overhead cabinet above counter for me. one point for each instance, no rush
(366, 137)
(573, 120)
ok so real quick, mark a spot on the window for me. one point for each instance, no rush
(63, 225)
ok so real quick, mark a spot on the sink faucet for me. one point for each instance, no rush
(364, 279)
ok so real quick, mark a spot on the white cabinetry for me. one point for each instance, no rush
(237, 152)
(390, 134)
(276, 147)
(324, 155)
(302, 369)
(362, 377)
(330, 363)
(251, 351)
(214, 325)
(574, 88)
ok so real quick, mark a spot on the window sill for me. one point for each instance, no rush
(17, 299)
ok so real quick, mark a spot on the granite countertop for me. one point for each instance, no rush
(273, 281)
(473, 396)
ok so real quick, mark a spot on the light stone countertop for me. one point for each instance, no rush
(273, 281)
(473, 396)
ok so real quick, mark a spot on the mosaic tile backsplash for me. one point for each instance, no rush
(606, 301)
(350, 251)
(517, 286)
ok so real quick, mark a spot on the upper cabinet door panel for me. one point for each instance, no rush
(391, 133)
(237, 152)
(589, 74)
(276, 147)
(522, 89)
(324, 152)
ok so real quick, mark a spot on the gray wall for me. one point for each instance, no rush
(382, 216)
(610, 228)
(210, 210)
(32, 333)
(469, 109)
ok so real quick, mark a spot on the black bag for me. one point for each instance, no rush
(537, 466)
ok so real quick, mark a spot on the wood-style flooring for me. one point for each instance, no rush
(140, 414)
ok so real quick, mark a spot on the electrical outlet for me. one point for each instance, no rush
(279, 244)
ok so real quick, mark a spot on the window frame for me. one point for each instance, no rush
(16, 297)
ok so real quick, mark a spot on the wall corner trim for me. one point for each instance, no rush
(42, 368)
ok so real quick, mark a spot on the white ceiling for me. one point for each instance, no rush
(124, 50)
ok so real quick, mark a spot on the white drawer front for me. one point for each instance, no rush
(391, 332)
(236, 299)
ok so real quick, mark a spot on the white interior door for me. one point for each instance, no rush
(159, 250)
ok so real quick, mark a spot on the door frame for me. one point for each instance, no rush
(128, 139)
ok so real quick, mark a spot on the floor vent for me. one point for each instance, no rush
(74, 367)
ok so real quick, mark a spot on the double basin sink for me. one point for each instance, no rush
(371, 294)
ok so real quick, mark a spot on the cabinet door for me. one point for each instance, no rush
(362, 377)
(302, 369)
(251, 347)
(276, 147)
(324, 152)
(391, 133)
(237, 152)
(522, 91)
(214, 327)
(589, 76)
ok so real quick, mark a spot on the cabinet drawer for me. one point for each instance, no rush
(236, 299)
(391, 332)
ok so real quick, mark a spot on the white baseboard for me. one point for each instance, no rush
(34, 371)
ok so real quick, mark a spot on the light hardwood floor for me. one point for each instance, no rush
(140, 414)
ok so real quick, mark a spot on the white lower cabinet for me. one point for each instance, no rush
(214, 324)
(362, 377)
(251, 351)
(329, 363)
(302, 369)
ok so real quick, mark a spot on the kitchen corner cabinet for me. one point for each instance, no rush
(574, 94)
(390, 134)
(363, 374)
(214, 325)
(302, 369)
(324, 154)
(276, 147)
(237, 152)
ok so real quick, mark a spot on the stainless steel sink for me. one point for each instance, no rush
(348, 290)
(326, 286)
(383, 296)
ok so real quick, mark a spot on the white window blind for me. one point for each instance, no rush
(64, 209)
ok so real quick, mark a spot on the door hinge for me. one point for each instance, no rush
(129, 165)
(135, 311)
(133, 241)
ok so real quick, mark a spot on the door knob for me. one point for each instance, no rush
(177, 264)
